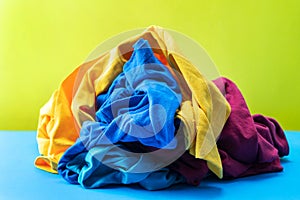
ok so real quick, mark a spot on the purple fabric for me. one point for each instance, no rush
(248, 145)
(191, 168)
(272, 132)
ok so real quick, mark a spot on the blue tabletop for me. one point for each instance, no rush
(19, 179)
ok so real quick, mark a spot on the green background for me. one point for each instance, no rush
(254, 43)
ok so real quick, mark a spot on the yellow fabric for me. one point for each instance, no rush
(188, 126)
(57, 129)
(211, 112)
(74, 102)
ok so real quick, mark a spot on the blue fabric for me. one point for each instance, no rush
(86, 169)
(139, 106)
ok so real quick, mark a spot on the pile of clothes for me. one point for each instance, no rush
(143, 114)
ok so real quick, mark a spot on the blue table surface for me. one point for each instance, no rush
(19, 179)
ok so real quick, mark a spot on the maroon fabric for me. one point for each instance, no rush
(272, 132)
(248, 144)
(194, 170)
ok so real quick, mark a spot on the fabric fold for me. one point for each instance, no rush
(248, 144)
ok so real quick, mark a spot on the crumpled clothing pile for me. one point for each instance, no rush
(143, 114)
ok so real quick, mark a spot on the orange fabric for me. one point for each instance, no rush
(57, 129)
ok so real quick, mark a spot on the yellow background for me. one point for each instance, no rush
(254, 43)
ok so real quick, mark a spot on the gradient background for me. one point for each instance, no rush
(254, 43)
